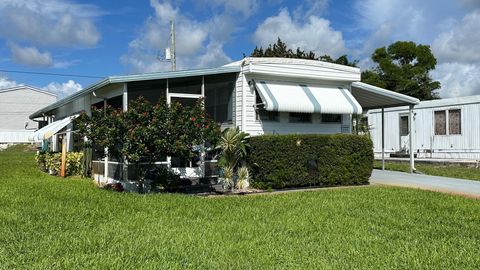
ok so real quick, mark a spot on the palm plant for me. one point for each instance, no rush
(243, 181)
(233, 145)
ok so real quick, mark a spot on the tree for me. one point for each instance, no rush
(280, 49)
(404, 67)
(147, 133)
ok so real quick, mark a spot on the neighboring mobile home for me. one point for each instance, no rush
(259, 95)
(16, 104)
(444, 128)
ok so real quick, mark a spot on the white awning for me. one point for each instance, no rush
(306, 98)
(50, 129)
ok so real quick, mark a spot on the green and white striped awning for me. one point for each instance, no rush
(306, 98)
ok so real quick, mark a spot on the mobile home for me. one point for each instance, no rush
(258, 95)
(16, 104)
(442, 129)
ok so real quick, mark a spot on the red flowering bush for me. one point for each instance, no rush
(147, 132)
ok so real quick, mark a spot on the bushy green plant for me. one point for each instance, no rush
(74, 164)
(163, 179)
(40, 159)
(280, 161)
(51, 163)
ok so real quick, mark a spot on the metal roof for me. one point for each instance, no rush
(22, 87)
(438, 103)
(372, 97)
(132, 78)
(293, 61)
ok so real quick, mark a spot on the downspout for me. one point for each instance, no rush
(410, 127)
(383, 139)
(244, 97)
(125, 108)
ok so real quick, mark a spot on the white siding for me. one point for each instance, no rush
(15, 136)
(426, 143)
(283, 126)
(15, 107)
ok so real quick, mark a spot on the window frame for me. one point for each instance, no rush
(401, 125)
(447, 122)
(460, 121)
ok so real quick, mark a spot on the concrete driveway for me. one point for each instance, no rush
(463, 187)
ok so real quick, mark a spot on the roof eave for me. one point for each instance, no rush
(404, 98)
(130, 78)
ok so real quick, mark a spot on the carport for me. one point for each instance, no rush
(372, 97)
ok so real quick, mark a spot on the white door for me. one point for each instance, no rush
(404, 133)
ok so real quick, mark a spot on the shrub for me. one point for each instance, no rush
(40, 158)
(280, 161)
(163, 179)
(51, 162)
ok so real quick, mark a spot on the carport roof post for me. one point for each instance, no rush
(372, 97)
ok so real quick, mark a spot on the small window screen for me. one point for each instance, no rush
(218, 96)
(185, 102)
(115, 102)
(404, 125)
(186, 85)
(454, 122)
(264, 115)
(440, 123)
(331, 118)
(150, 90)
(300, 117)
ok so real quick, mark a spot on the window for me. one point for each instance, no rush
(151, 90)
(188, 85)
(185, 102)
(261, 113)
(264, 115)
(218, 96)
(300, 117)
(404, 125)
(454, 122)
(115, 102)
(331, 118)
(98, 105)
(440, 123)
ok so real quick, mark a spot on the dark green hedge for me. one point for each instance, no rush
(280, 161)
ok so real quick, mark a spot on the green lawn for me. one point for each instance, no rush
(455, 171)
(52, 223)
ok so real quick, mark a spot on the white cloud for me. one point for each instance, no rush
(315, 34)
(214, 56)
(310, 8)
(199, 44)
(461, 42)
(63, 89)
(458, 79)
(246, 8)
(6, 82)
(49, 22)
(442, 24)
(30, 56)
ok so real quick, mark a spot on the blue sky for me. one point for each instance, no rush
(104, 38)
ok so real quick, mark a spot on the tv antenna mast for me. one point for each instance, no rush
(170, 55)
